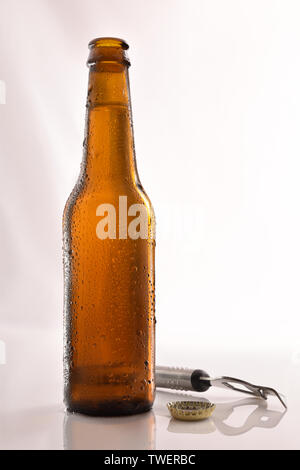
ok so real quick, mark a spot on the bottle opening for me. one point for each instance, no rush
(108, 42)
(108, 51)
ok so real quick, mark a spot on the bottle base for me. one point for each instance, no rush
(110, 408)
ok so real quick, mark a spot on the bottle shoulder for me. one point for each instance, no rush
(145, 198)
(127, 204)
(84, 195)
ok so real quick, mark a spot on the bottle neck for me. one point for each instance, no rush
(109, 145)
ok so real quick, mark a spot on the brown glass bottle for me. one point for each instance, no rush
(108, 229)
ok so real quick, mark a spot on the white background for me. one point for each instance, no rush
(216, 108)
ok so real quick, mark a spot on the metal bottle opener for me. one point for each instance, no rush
(198, 380)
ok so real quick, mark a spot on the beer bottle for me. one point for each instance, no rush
(109, 243)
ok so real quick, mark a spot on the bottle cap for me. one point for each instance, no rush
(191, 410)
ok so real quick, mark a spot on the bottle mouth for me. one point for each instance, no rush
(108, 42)
(109, 50)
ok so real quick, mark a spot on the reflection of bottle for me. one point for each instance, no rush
(109, 255)
(128, 432)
